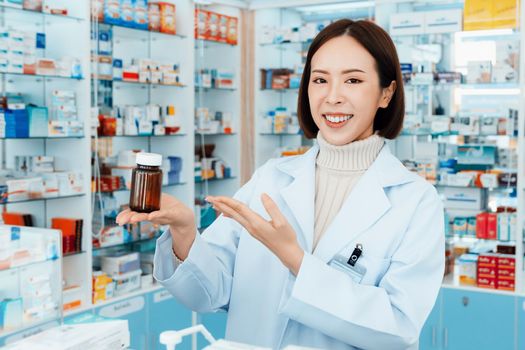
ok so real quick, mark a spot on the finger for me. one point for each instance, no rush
(273, 210)
(124, 216)
(136, 217)
(241, 208)
(232, 214)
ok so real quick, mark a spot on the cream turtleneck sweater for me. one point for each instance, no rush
(338, 169)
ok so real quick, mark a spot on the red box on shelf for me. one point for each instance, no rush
(492, 226)
(505, 284)
(506, 273)
(506, 261)
(487, 260)
(202, 26)
(487, 271)
(487, 282)
(167, 18)
(481, 225)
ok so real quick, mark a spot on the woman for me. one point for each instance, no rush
(339, 248)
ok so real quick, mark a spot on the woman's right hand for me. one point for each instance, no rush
(174, 213)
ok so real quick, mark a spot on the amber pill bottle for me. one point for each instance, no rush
(146, 183)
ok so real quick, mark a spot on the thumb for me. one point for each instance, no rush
(272, 209)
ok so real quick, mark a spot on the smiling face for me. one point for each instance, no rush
(344, 91)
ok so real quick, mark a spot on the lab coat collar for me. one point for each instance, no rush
(366, 204)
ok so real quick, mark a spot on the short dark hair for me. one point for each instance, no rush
(388, 122)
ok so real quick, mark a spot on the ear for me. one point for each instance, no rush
(387, 94)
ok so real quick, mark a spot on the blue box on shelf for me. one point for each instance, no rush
(175, 163)
(112, 13)
(173, 177)
(40, 40)
(38, 118)
(140, 14)
(16, 123)
(126, 13)
(476, 155)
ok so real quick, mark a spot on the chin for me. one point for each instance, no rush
(337, 139)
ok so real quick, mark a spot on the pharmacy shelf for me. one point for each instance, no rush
(447, 134)
(452, 281)
(502, 188)
(74, 254)
(138, 292)
(141, 30)
(205, 42)
(141, 136)
(41, 76)
(279, 134)
(291, 43)
(32, 263)
(215, 133)
(43, 138)
(138, 83)
(282, 90)
(488, 86)
(6, 8)
(43, 199)
(123, 244)
(216, 179)
(206, 89)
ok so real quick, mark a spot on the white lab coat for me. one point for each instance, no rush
(394, 214)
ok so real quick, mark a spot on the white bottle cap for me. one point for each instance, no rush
(149, 159)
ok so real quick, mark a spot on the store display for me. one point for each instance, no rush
(207, 122)
(213, 26)
(71, 233)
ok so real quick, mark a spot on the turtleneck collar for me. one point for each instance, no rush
(355, 156)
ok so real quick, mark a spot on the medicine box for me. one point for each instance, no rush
(120, 264)
(479, 72)
(464, 198)
(408, 23)
(127, 282)
(447, 21)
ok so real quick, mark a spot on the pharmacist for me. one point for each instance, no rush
(339, 248)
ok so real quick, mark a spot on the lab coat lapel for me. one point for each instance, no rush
(365, 205)
(299, 194)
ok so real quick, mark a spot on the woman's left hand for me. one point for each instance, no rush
(277, 234)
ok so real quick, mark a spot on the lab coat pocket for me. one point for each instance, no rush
(367, 270)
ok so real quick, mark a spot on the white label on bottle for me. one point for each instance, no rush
(161, 296)
(123, 308)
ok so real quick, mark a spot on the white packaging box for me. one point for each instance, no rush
(513, 218)
(503, 227)
(507, 52)
(120, 264)
(110, 334)
(70, 183)
(479, 72)
(504, 73)
(408, 23)
(447, 21)
(21, 189)
(464, 198)
(127, 282)
(50, 181)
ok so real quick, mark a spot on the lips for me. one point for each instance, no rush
(336, 120)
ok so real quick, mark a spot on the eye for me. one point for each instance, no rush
(318, 81)
(353, 81)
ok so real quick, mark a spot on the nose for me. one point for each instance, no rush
(334, 96)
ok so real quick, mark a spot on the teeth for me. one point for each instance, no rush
(338, 119)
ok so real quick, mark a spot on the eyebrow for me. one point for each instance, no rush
(346, 71)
